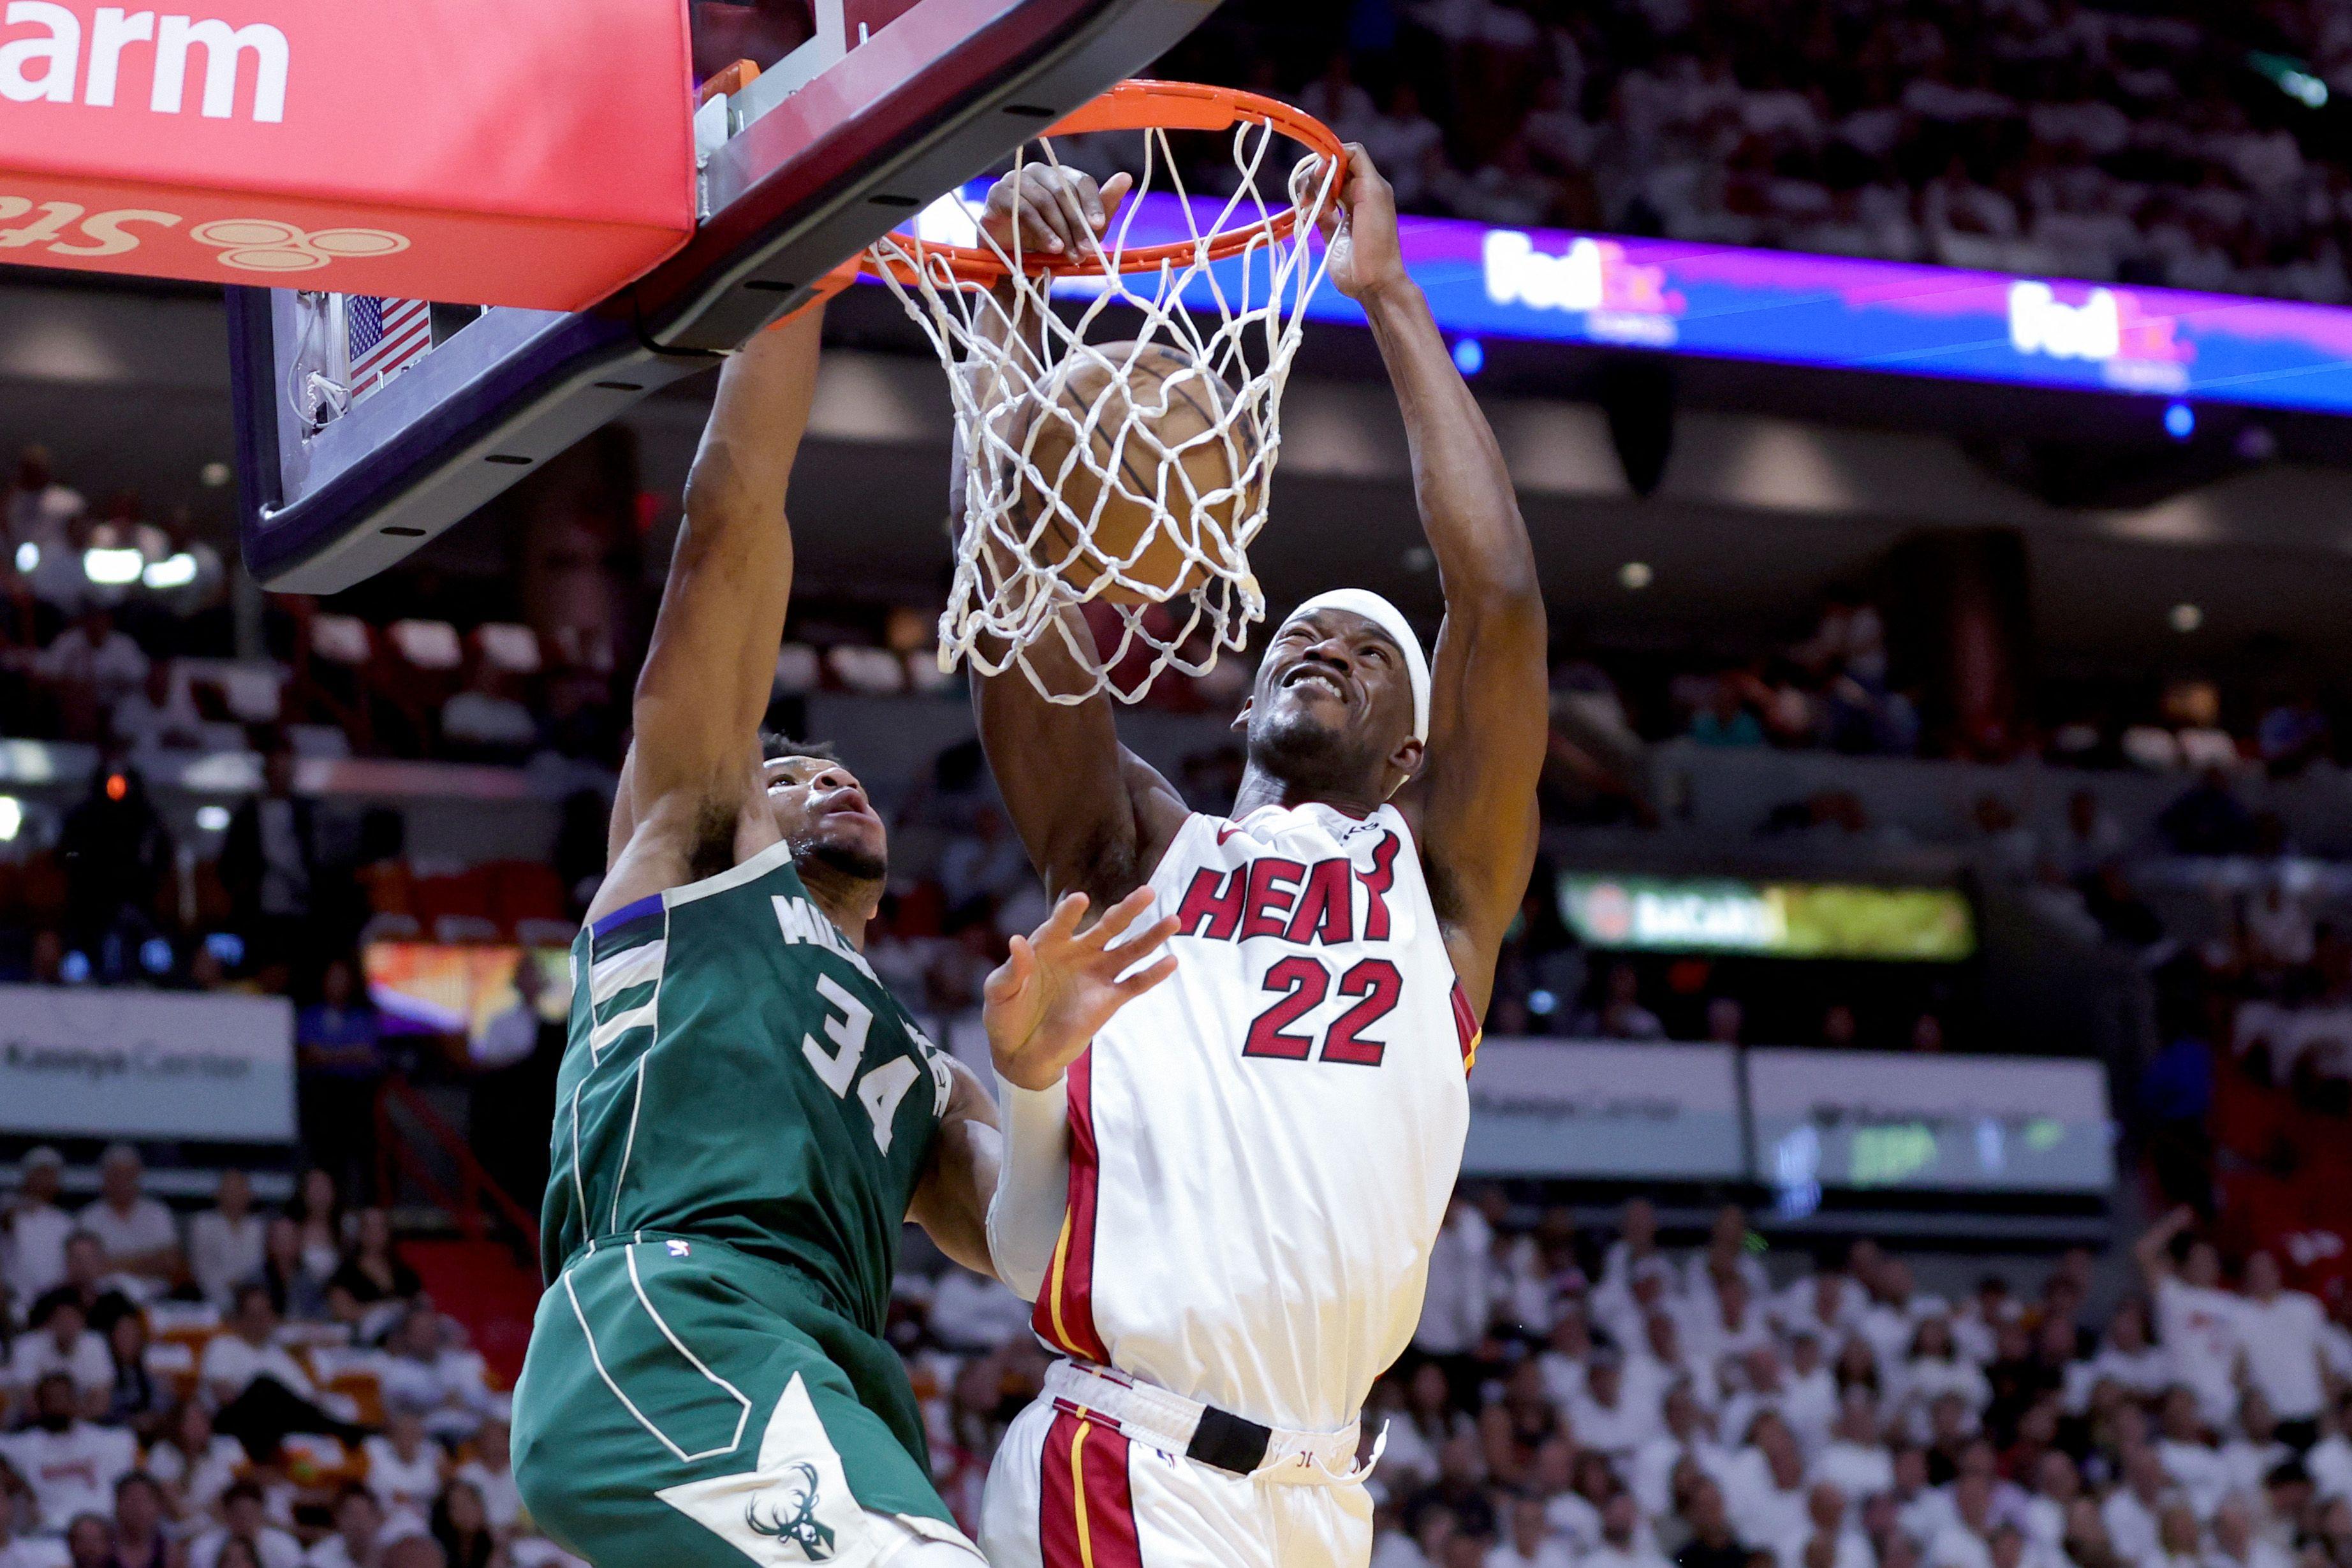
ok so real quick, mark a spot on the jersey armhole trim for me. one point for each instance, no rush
(1403, 828)
(738, 875)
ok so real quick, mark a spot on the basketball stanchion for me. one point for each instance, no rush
(523, 156)
(349, 457)
(1120, 454)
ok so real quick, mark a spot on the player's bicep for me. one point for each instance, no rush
(1475, 795)
(950, 1202)
(1064, 779)
(709, 670)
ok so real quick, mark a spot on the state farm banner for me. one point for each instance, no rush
(146, 1064)
(1864, 1119)
(531, 153)
(1603, 1110)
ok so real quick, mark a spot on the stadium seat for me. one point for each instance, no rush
(457, 907)
(524, 890)
(426, 644)
(506, 646)
(342, 640)
(870, 671)
(798, 671)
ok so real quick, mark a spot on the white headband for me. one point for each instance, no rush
(1390, 620)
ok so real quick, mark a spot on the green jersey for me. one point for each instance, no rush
(736, 1071)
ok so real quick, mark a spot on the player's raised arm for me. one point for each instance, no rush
(1475, 798)
(706, 676)
(1094, 816)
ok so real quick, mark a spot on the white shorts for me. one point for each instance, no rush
(1070, 1491)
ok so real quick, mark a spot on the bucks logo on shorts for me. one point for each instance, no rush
(788, 1512)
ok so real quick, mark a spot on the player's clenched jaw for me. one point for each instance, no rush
(822, 812)
(1331, 713)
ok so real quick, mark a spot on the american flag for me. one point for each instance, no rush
(384, 336)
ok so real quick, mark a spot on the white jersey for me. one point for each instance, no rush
(1262, 1148)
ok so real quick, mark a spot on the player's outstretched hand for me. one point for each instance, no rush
(1044, 1003)
(1052, 209)
(1359, 226)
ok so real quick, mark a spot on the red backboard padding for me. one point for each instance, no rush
(535, 153)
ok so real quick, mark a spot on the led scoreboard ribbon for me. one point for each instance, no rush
(1554, 286)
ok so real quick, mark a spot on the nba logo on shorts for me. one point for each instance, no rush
(680, 1250)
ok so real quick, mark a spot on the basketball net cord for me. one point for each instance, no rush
(1024, 527)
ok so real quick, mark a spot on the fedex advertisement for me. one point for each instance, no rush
(1612, 291)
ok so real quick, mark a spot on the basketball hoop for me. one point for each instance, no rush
(1049, 423)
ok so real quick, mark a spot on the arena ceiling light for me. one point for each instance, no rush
(2186, 618)
(113, 567)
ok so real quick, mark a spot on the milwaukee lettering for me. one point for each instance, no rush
(1306, 904)
(46, 47)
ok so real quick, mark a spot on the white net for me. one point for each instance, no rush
(1117, 451)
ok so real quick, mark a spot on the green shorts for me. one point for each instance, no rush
(685, 1406)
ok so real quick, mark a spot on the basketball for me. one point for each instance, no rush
(1148, 486)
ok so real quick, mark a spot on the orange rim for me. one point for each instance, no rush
(1141, 106)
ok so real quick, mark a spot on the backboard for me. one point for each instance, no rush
(365, 427)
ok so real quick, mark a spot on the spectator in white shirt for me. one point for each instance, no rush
(1726, 1252)
(249, 1351)
(2280, 1334)
(1636, 1243)
(161, 714)
(2330, 1460)
(2196, 1320)
(2252, 1452)
(1768, 1495)
(33, 1260)
(1936, 1368)
(2127, 1358)
(404, 1466)
(195, 1463)
(225, 1242)
(491, 1471)
(94, 665)
(1896, 1311)
(2057, 1487)
(1967, 1541)
(71, 1464)
(1623, 1543)
(2236, 1544)
(1529, 1543)
(1724, 1321)
(142, 1522)
(1829, 1538)
(357, 1540)
(245, 1528)
(2176, 1538)
(1454, 1312)
(2134, 1512)
(1828, 1304)
(1856, 1459)
(136, 1232)
(262, 1392)
(1688, 1434)
(1564, 1355)
(2189, 1457)
(1605, 1417)
(63, 1343)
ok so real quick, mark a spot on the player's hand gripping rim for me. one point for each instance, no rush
(1055, 211)
(1046, 1003)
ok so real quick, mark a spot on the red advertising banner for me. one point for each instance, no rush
(534, 153)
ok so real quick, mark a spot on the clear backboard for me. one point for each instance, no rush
(367, 426)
